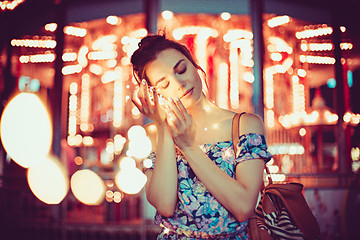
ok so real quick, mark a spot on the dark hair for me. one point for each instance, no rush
(149, 47)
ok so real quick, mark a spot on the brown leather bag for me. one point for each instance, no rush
(282, 212)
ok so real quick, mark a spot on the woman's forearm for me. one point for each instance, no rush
(238, 197)
(161, 189)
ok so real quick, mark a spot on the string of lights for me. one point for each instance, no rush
(10, 5)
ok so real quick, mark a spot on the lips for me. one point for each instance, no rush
(189, 91)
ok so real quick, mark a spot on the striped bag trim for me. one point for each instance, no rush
(279, 223)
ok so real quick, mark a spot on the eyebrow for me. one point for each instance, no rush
(175, 66)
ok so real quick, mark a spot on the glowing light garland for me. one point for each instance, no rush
(320, 114)
(311, 32)
(277, 45)
(317, 47)
(34, 43)
(234, 78)
(298, 95)
(10, 5)
(351, 118)
(71, 69)
(238, 39)
(118, 102)
(38, 58)
(85, 102)
(75, 31)
(72, 119)
(278, 21)
(223, 85)
(317, 59)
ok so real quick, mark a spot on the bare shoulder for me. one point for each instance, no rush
(251, 123)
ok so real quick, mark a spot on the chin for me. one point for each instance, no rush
(188, 103)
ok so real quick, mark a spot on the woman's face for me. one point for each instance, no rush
(173, 75)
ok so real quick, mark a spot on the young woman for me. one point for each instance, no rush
(199, 188)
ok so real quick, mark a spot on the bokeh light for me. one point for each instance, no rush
(87, 187)
(48, 181)
(167, 15)
(302, 132)
(225, 16)
(130, 180)
(26, 130)
(139, 144)
(147, 163)
(126, 163)
(135, 132)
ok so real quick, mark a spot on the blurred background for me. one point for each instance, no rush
(73, 145)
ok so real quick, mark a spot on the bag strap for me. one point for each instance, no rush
(235, 130)
(235, 139)
(252, 229)
(268, 175)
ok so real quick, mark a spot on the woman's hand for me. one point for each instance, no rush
(181, 125)
(148, 107)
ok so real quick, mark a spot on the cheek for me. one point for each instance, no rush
(198, 81)
(170, 91)
(195, 76)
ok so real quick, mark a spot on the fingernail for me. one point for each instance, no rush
(143, 82)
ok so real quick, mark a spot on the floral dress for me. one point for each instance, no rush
(198, 214)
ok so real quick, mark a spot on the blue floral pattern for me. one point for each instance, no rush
(198, 214)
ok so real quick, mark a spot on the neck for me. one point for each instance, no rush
(202, 108)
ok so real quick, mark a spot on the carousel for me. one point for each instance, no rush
(72, 88)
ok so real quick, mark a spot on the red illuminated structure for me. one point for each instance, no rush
(266, 57)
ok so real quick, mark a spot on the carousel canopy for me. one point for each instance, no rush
(28, 15)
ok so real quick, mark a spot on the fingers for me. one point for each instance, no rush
(180, 124)
(155, 96)
(144, 95)
(178, 116)
(183, 110)
(176, 110)
(142, 100)
(135, 99)
(179, 109)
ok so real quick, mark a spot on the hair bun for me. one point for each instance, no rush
(147, 48)
(149, 40)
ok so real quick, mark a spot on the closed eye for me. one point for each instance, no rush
(180, 67)
(163, 84)
(183, 70)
